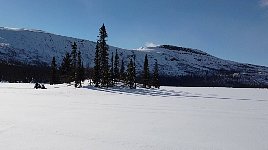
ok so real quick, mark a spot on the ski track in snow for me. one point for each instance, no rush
(169, 118)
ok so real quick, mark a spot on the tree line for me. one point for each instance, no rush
(71, 69)
(105, 74)
(108, 76)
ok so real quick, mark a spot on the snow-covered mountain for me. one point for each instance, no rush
(38, 47)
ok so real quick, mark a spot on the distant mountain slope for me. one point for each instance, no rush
(38, 47)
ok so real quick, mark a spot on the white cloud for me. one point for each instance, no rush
(150, 44)
(264, 3)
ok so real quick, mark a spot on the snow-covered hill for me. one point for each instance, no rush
(35, 47)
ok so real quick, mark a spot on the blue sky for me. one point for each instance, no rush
(230, 29)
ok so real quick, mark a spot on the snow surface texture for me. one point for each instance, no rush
(35, 46)
(65, 118)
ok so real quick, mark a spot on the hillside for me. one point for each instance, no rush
(37, 47)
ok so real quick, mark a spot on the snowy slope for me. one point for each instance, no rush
(35, 46)
(65, 118)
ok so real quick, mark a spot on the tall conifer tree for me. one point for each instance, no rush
(112, 70)
(130, 78)
(74, 61)
(116, 67)
(155, 80)
(65, 69)
(53, 73)
(78, 74)
(103, 48)
(146, 73)
(122, 71)
(134, 70)
(83, 72)
(97, 73)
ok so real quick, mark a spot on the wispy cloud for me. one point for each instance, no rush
(264, 3)
(150, 44)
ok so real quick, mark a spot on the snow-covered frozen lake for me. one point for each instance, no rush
(65, 118)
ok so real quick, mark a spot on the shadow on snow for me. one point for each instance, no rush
(163, 93)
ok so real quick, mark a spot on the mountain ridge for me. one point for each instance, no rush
(38, 47)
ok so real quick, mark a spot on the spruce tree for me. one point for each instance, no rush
(82, 72)
(134, 70)
(97, 73)
(155, 80)
(53, 73)
(112, 70)
(78, 72)
(116, 67)
(103, 48)
(65, 69)
(146, 73)
(130, 78)
(122, 71)
(74, 62)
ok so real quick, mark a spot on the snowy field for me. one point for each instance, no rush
(65, 118)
